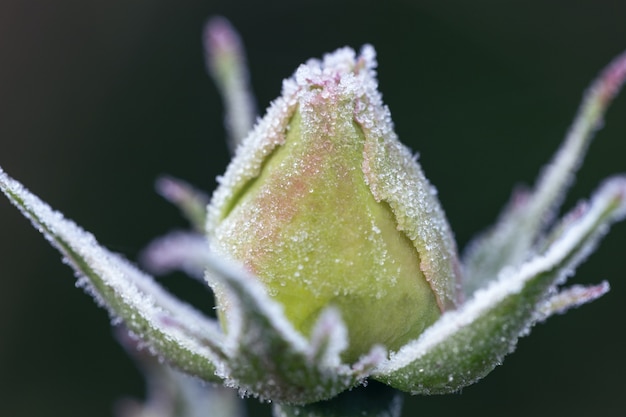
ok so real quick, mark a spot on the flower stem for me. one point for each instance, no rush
(375, 400)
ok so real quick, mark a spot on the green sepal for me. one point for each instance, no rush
(466, 344)
(268, 358)
(170, 328)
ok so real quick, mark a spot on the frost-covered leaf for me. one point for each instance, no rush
(226, 62)
(529, 213)
(173, 330)
(191, 201)
(466, 344)
(268, 357)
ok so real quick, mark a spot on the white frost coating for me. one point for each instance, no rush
(183, 251)
(161, 309)
(607, 206)
(138, 291)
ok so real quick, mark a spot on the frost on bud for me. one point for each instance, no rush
(327, 208)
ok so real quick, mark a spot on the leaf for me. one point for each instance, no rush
(173, 330)
(466, 344)
(529, 213)
(268, 358)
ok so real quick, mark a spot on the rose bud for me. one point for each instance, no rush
(327, 208)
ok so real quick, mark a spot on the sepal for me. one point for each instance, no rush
(466, 344)
(170, 328)
(226, 62)
(268, 358)
(190, 201)
(572, 297)
(529, 213)
(177, 251)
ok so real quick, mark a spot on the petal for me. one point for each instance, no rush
(466, 344)
(395, 177)
(268, 358)
(528, 214)
(173, 330)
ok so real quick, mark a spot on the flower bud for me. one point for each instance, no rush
(327, 208)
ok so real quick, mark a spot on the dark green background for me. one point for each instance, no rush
(97, 98)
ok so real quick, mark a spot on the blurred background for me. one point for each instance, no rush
(99, 98)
